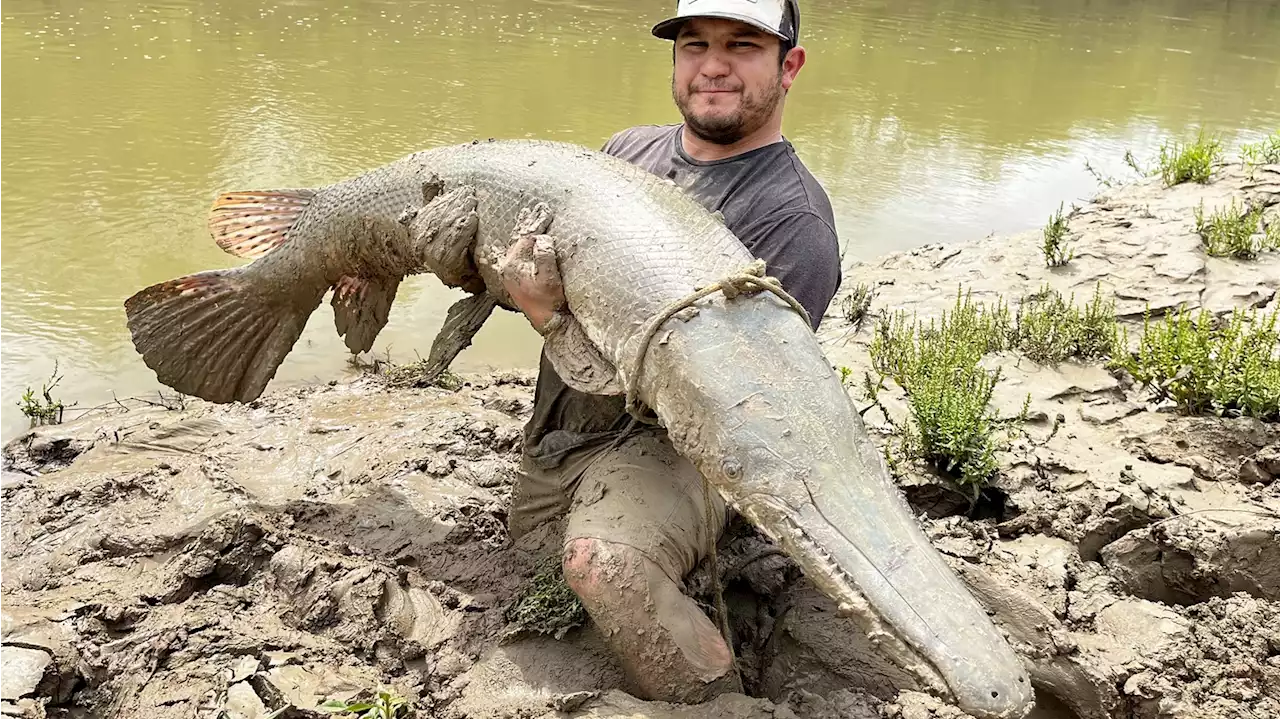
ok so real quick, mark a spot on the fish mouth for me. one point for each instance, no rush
(778, 436)
(858, 542)
(908, 602)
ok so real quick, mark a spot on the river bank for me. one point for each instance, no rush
(318, 542)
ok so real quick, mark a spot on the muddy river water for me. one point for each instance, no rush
(926, 120)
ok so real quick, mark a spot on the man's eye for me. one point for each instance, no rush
(742, 44)
(695, 43)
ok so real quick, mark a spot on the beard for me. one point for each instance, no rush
(753, 111)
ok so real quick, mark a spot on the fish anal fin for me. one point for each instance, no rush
(251, 224)
(361, 306)
(461, 323)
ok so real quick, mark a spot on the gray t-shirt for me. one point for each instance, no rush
(774, 206)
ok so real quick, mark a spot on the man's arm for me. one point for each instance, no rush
(802, 251)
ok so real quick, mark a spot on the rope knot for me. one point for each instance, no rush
(748, 280)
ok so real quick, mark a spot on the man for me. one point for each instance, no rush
(638, 520)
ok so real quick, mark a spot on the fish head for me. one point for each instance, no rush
(747, 395)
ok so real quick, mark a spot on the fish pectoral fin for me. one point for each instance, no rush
(361, 306)
(576, 358)
(251, 224)
(443, 236)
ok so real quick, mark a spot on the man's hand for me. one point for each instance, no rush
(530, 274)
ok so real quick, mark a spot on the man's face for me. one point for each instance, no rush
(728, 80)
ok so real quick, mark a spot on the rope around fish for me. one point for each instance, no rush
(748, 280)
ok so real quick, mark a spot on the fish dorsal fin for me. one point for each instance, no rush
(252, 224)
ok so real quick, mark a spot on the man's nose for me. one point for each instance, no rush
(715, 64)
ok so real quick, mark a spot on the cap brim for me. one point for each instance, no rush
(670, 28)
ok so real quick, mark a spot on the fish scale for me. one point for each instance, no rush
(742, 385)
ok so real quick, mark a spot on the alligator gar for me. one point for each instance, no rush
(741, 384)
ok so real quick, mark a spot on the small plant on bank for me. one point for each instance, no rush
(1056, 253)
(952, 425)
(547, 605)
(1264, 152)
(1132, 162)
(43, 409)
(1049, 329)
(1207, 366)
(1192, 162)
(1233, 232)
(857, 303)
(384, 705)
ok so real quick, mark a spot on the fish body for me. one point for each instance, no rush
(741, 384)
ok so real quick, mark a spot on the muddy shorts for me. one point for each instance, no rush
(640, 493)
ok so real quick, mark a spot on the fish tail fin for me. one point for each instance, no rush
(251, 224)
(216, 335)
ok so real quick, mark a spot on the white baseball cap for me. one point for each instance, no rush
(776, 17)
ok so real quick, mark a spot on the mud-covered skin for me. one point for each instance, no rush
(741, 385)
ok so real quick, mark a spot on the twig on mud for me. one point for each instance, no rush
(172, 405)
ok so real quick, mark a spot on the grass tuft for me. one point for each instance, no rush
(1049, 329)
(1056, 253)
(856, 304)
(383, 705)
(1233, 232)
(1192, 162)
(1209, 366)
(418, 375)
(952, 425)
(43, 409)
(1264, 152)
(547, 605)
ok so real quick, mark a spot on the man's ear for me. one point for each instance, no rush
(791, 65)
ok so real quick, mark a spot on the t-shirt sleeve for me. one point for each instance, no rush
(612, 144)
(804, 254)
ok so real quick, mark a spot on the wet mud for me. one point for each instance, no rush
(231, 561)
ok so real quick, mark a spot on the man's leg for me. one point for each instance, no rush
(637, 525)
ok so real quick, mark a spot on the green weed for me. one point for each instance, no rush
(1207, 366)
(1132, 162)
(1104, 180)
(856, 304)
(1230, 232)
(952, 424)
(845, 374)
(547, 605)
(417, 374)
(1049, 329)
(1192, 162)
(1054, 247)
(1264, 152)
(384, 705)
(43, 409)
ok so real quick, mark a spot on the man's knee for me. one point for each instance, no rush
(592, 565)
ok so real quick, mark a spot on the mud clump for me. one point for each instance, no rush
(318, 543)
(1228, 664)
